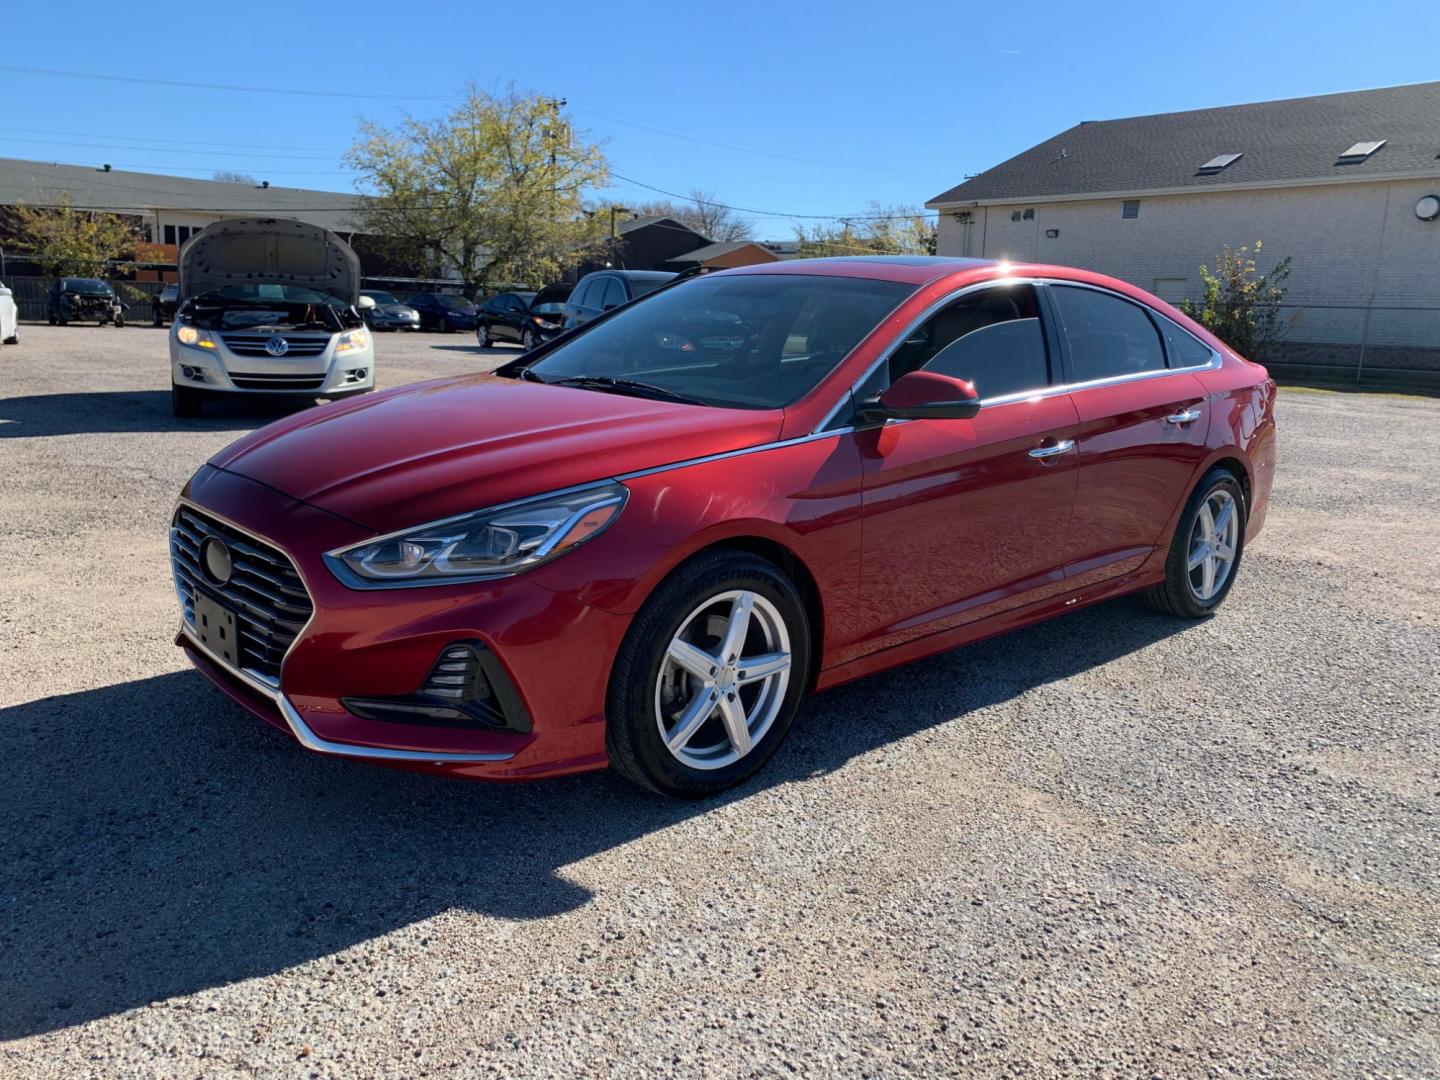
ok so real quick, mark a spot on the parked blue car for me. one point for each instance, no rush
(443, 311)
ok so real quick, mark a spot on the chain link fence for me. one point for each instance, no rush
(1365, 344)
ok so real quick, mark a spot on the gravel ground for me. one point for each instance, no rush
(1115, 844)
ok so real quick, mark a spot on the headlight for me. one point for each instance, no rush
(352, 340)
(200, 339)
(489, 543)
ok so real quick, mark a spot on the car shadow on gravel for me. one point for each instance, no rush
(158, 841)
(130, 410)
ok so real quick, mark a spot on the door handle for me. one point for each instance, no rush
(1050, 451)
(1184, 417)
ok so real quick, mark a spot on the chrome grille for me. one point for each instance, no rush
(254, 344)
(264, 591)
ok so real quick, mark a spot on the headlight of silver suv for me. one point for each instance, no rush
(490, 543)
(352, 340)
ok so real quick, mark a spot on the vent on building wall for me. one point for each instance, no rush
(1361, 151)
(1130, 208)
(1218, 163)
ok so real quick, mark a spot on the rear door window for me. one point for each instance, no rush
(590, 293)
(1107, 336)
(614, 293)
(1184, 348)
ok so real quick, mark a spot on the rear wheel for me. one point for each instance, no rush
(483, 334)
(1205, 552)
(708, 679)
(185, 403)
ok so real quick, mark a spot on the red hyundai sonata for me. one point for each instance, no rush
(642, 543)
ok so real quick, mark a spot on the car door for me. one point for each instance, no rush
(1143, 427)
(586, 300)
(515, 314)
(963, 519)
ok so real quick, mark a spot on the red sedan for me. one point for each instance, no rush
(642, 543)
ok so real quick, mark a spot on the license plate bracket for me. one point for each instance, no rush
(216, 629)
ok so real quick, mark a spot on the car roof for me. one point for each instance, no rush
(911, 269)
(636, 275)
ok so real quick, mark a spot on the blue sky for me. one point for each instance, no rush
(797, 108)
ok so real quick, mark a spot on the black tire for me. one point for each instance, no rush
(60, 320)
(483, 334)
(1175, 596)
(185, 403)
(632, 734)
(14, 339)
(527, 340)
(119, 321)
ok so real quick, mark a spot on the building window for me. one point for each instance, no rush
(1029, 215)
(170, 234)
(1130, 208)
(1015, 215)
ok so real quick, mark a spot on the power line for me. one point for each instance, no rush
(772, 213)
(220, 86)
(171, 149)
(157, 139)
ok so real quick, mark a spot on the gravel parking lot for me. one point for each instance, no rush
(1115, 844)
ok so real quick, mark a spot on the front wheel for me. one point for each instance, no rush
(185, 403)
(1205, 552)
(707, 681)
(527, 340)
(483, 335)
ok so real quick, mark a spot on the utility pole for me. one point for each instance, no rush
(552, 135)
(614, 233)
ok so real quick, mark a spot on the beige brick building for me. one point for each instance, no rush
(1151, 198)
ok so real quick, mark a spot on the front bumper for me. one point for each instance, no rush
(221, 370)
(555, 649)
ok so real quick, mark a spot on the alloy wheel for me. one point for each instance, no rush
(1214, 539)
(723, 679)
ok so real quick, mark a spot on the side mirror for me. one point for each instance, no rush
(365, 303)
(923, 395)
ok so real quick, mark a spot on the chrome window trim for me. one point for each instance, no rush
(302, 731)
(1025, 395)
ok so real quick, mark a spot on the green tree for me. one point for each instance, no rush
(67, 242)
(497, 189)
(881, 230)
(1241, 306)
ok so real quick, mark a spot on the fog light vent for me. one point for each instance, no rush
(467, 687)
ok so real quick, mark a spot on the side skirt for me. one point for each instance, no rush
(1004, 622)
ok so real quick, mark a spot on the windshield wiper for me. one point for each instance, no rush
(609, 384)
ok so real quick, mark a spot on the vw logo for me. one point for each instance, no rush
(277, 346)
(215, 557)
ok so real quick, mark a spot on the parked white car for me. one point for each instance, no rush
(268, 306)
(9, 317)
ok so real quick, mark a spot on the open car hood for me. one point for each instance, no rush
(269, 251)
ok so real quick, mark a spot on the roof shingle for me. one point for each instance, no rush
(1298, 139)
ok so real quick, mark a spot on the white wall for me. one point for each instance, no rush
(1346, 241)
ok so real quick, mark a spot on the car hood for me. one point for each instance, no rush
(269, 251)
(395, 309)
(432, 450)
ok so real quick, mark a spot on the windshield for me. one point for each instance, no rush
(455, 303)
(272, 294)
(380, 297)
(85, 286)
(756, 341)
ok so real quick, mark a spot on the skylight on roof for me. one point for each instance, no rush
(1361, 151)
(1217, 163)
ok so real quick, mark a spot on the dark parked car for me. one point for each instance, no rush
(84, 300)
(605, 289)
(526, 317)
(444, 311)
(389, 313)
(162, 308)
